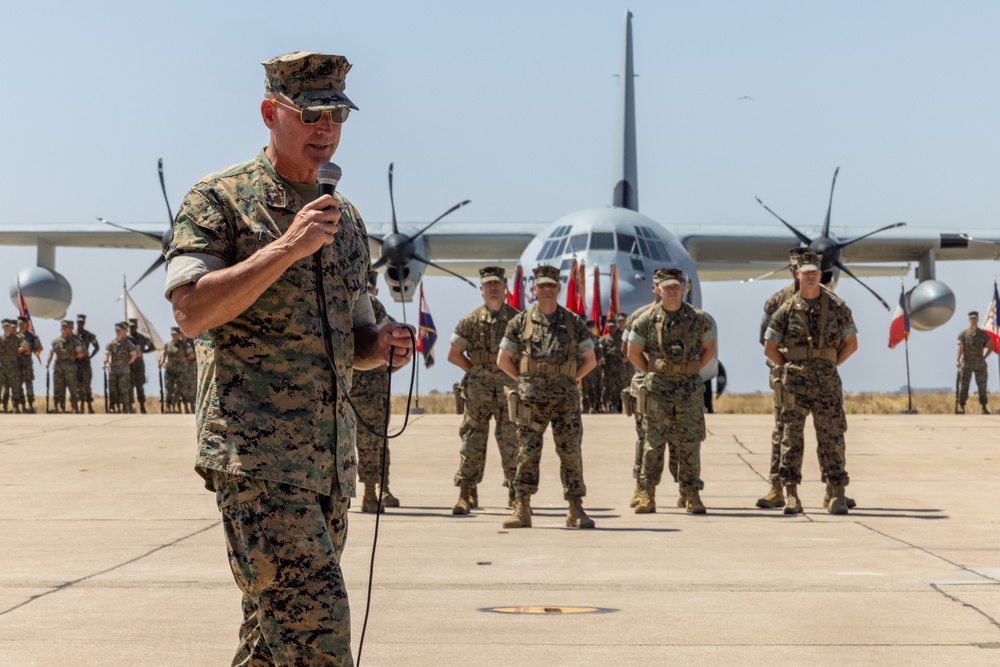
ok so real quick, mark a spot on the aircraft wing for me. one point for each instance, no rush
(465, 247)
(729, 252)
(83, 235)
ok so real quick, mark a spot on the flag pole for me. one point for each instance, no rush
(996, 330)
(909, 391)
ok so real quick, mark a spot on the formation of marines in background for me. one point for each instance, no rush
(69, 373)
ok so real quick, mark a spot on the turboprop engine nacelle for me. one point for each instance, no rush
(930, 304)
(47, 293)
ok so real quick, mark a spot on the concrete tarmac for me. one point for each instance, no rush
(112, 553)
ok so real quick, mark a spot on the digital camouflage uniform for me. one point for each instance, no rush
(478, 334)
(138, 367)
(189, 379)
(368, 391)
(550, 393)
(633, 388)
(809, 333)
(84, 371)
(591, 386)
(276, 436)
(973, 342)
(64, 379)
(615, 374)
(674, 405)
(176, 353)
(119, 375)
(11, 343)
(770, 307)
(26, 364)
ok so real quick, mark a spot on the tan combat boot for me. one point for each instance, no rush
(510, 498)
(521, 517)
(682, 498)
(473, 497)
(851, 504)
(636, 495)
(369, 502)
(838, 504)
(576, 517)
(774, 498)
(693, 504)
(647, 499)
(792, 504)
(388, 500)
(462, 506)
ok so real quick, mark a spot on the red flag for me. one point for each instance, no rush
(595, 308)
(613, 299)
(515, 297)
(899, 329)
(990, 324)
(581, 292)
(22, 311)
(571, 289)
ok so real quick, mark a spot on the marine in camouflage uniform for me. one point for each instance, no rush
(633, 390)
(275, 347)
(591, 385)
(615, 370)
(119, 354)
(84, 371)
(11, 346)
(548, 350)
(368, 391)
(671, 342)
(474, 347)
(138, 367)
(25, 362)
(808, 337)
(189, 378)
(974, 345)
(175, 362)
(67, 348)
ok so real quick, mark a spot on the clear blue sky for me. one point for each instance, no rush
(512, 105)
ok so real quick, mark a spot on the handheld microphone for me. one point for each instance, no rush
(329, 176)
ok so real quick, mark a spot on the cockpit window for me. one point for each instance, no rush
(577, 243)
(650, 244)
(626, 243)
(602, 241)
(556, 244)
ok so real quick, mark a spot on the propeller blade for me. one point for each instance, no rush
(153, 267)
(379, 264)
(802, 237)
(846, 270)
(392, 203)
(829, 208)
(163, 187)
(375, 239)
(158, 237)
(441, 268)
(844, 244)
(448, 212)
(971, 239)
(766, 275)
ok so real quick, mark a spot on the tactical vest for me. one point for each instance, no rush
(660, 365)
(483, 357)
(811, 350)
(529, 365)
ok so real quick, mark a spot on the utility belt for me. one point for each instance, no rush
(688, 368)
(531, 366)
(518, 412)
(482, 358)
(803, 353)
(646, 406)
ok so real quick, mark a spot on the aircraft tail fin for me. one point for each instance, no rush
(626, 192)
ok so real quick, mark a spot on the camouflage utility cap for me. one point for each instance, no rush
(121, 325)
(7, 322)
(546, 275)
(664, 277)
(175, 330)
(81, 318)
(974, 313)
(22, 318)
(809, 261)
(66, 323)
(795, 255)
(309, 79)
(489, 274)
(133, 321)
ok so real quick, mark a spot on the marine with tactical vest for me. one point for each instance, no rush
(547, 350)
(474, 347)
(630, 408)
(808, 337)
(671, 342)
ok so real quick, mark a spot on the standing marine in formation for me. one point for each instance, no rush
(671, 342)
(974, 346)
(138, 367)
(176, 358)
(591, 385)
(633, 392)
(808, 337)
(119, 356)
(615, 371)
(12, 347)
(26, 363)
(84, 371)
(67, 349)
(474, 348)
(547, 350)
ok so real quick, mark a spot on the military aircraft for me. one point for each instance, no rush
(598, 237)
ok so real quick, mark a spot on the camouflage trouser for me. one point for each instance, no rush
(10, 382)
(681, 423)
(137, 369)
(64, 379)
(567, 431)
(776, 445)
(965, 377)
(368, 395)
(172, 379)
(591, 391)
(640, 443)
(613, 380)
(284, 545)
(474, 432)
(830, 422)
(119, 388)
(84, 377)
(27, 377)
